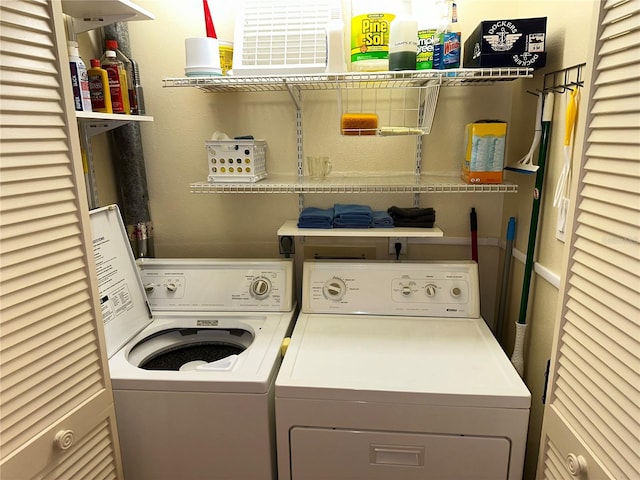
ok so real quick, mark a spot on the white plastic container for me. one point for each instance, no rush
(79, 79)
(370, 26)
(403, 42)
(336, 62)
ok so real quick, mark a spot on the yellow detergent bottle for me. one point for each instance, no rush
(370, 25)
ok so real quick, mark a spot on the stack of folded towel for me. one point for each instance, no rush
(352, 216)
(312, 217)
(344, 216)
(413, 217)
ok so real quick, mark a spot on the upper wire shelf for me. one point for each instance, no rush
(266, 83)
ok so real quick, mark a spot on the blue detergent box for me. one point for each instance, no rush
(447, 49)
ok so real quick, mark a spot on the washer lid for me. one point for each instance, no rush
(413, 360)
(125, 309)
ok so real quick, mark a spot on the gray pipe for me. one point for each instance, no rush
(130, 172)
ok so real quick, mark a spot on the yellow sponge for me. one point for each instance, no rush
(359, 124)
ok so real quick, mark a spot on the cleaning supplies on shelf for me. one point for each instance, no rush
(413, 217)
(99, 88)
(117, 82)
(79, 79)
(129, 66)
(403, 42)
(370, 26)
(447, 47)
(484, 153)
(426, 13)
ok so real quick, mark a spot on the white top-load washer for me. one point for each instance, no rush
(391, 373)
(194, 346)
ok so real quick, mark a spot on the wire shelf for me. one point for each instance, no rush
(286, 184)
(269, 83)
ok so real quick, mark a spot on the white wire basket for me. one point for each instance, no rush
(367, 109)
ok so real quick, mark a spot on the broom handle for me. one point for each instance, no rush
(547, 115)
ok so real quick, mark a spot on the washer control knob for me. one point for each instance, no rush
(64, 439)
(456, 292)
(172, 287)
(149, 287)
(334, 289)
(260, 288)
(431, 290)
(406, 291)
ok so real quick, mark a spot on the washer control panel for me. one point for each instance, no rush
(385, 288)
(202, 285)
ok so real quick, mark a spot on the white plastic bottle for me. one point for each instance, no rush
(370, 27)
(79, 79)
(335, 41)
(403, 41)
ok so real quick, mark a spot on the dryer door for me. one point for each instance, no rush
(348, 454)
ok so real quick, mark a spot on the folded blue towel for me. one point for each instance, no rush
(341, 209)
(381, 219)
(313, 217)
(352, 216)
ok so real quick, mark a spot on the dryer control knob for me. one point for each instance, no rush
(406, 291)
(172, 287)
(149, 287)
(260, 288)
(456, 292)
(431, 290)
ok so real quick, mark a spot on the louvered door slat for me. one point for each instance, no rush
(52, 362)
(594, 404)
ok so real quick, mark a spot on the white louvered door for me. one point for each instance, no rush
(56, 406)
(591, 426)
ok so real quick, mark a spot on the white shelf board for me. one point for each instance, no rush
(290, 229)
(88, 15)
(97, 122)
(361, 183)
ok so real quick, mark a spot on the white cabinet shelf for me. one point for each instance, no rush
(94, 123)
(89, 15)
(354, 184)
(290, 229)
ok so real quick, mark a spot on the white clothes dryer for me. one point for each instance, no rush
(194, 346)
(392, 373)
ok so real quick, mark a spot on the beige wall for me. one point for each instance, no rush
(245, 225)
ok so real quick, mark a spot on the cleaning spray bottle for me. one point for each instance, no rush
(448, 42)
(79, 79)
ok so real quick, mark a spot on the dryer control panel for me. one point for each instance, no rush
(384, 288)
(220, 285)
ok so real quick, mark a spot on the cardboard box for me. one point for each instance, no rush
(484, 152)
(507, 43)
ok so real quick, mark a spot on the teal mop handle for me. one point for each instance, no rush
(547, 115)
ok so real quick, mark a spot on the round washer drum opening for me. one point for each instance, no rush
(171, 349)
